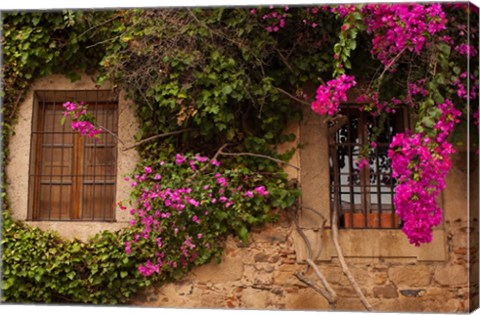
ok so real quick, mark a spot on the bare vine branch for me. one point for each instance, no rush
(259, 156)
(326, 291)
(341, 258)
(331, 299)
(345, 268)
(162, 135)
(386, 68)
(323, 280)
(113, 38)
(15, 105)
(113, 134)
(213, 158)
(98, 25)
(293, 97)
(284, 60)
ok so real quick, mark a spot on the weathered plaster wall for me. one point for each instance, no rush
(394, 275)
(17, 168)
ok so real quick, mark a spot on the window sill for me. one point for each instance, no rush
(371, 243)
(81, 230)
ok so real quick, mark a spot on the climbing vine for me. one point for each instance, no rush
(231, 80)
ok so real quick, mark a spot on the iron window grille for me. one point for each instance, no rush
(364, 197)
(72, 177)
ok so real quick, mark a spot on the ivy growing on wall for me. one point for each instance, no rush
(222, 84)
(203, 83)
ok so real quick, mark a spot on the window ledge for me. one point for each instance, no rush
(81, 230)
(371, 243)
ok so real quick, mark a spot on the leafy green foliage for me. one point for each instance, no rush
(41, 267)
(219, 75)
(216, 76)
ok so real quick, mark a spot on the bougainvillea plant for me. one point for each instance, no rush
(82, 121)
(413, 47)
(230, 75)
(187, 206)
(420, 158)
(417, 49)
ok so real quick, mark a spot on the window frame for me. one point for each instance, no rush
(364, 214)
(99, 100)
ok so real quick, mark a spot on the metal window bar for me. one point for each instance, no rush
(372, 183)
(41, 192)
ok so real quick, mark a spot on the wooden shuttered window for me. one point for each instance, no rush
(72, 177)
(364, 197)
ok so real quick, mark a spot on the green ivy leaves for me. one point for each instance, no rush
(352, 25)
(41, 267)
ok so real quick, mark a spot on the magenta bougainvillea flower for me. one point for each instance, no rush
(420, 166)
(330, 95)
(81, 120)
(166, 203)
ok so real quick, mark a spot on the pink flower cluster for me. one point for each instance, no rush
(343, 9)
(185, 210)
(375, 107)
(81, 121)
(85, 128)
(420, 166)
(362, 163)
(330, 95)
(468, 50)
(460, 85)
(275, 19)
(311, 16)
(401, 26)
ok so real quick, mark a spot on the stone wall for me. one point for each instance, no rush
(396, 278)
(261, 275)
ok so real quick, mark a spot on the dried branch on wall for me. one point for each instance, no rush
(341, 258)
(161, 135)
(326, 291)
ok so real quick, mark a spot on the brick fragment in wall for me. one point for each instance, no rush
(265, 257)
(290, 260)
(230, 304)
(286, 252)
(460, 251)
